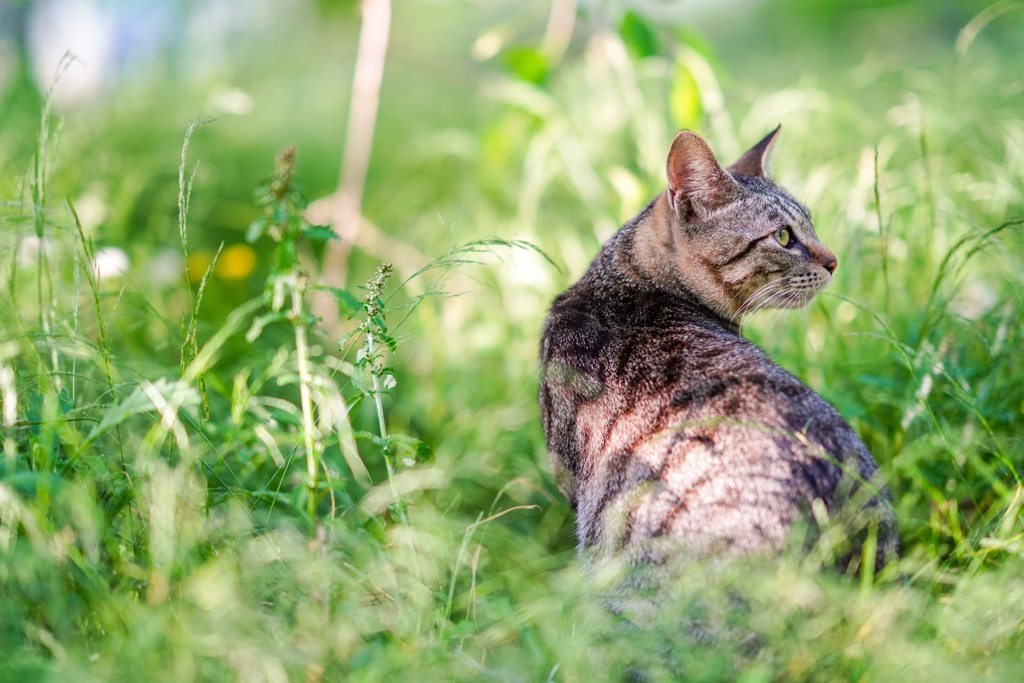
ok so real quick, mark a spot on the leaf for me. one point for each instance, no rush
(260, 322)
(34, 411)
(279, 214)
(362, 378)
(320, 233)
(27, 483)
(527, 64)
(348, 304)
(67, 403)
(388, 341)
(684, 99)
(348, 337)
(410, 447)
(639, 37)
(256, 229)
(463, 629)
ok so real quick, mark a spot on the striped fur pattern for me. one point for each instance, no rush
(671, 434)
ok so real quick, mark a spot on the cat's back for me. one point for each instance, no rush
(664, 419)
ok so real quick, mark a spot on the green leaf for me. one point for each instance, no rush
(261, 193)
(320, 233)
(405, 446)
(362, 378)
(256, 229)
(260, 322)
(639, 37)
(528, 64)
(684, 99)
(395, 509)
(67, 403)
(388, 341)
(34, 411)
(279, 214)
(348, 337)
(348, 304)
(463, 629)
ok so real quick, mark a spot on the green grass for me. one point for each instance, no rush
(200, 482)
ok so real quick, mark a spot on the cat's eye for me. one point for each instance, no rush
(783, 236)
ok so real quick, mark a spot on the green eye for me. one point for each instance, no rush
(783, 236)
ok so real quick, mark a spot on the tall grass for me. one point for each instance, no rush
(275, 501)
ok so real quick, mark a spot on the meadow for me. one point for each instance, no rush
(219, 466)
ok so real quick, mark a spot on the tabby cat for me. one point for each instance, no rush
(671, 434)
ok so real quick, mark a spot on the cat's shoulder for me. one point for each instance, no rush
(573, 328)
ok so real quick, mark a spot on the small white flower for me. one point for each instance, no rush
(110, 262)
(487, 45)
(389, 382)
(230, 101)
(28, 252)
(92, 208)
(166, 268)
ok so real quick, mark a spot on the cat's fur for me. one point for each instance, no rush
(671, 434)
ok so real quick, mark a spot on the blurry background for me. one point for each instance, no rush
(528, 119)
(456, 73)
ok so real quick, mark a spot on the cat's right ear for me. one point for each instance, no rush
(755, 161)
(697, 183)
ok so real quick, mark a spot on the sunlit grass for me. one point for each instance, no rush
(204, 491)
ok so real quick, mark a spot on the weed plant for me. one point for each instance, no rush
(260, 499)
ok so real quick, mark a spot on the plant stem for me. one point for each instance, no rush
(305, 379)
(884, 234)
(384, 433)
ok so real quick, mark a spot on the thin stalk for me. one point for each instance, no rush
(885, 235)
(305, 379)
(190, 344)
(377, 391)
(104, 346)
(40, 173)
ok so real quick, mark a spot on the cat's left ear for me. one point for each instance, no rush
(753, 163)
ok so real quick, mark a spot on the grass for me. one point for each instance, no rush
(200, 482)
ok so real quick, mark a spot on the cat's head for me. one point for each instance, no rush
(741, 242)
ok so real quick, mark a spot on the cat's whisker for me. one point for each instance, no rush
(777, 312)
(764, 296)
(781, 311)
(768, 295)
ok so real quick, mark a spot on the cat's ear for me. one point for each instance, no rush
(753, 163)
(697, 183)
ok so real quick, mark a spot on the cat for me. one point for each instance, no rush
(669, 433)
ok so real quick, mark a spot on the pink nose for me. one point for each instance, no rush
(830, 264)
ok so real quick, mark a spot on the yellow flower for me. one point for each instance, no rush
(236, 262)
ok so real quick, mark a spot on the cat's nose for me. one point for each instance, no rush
(824, 257)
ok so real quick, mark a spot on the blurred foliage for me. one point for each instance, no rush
(196, 482)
